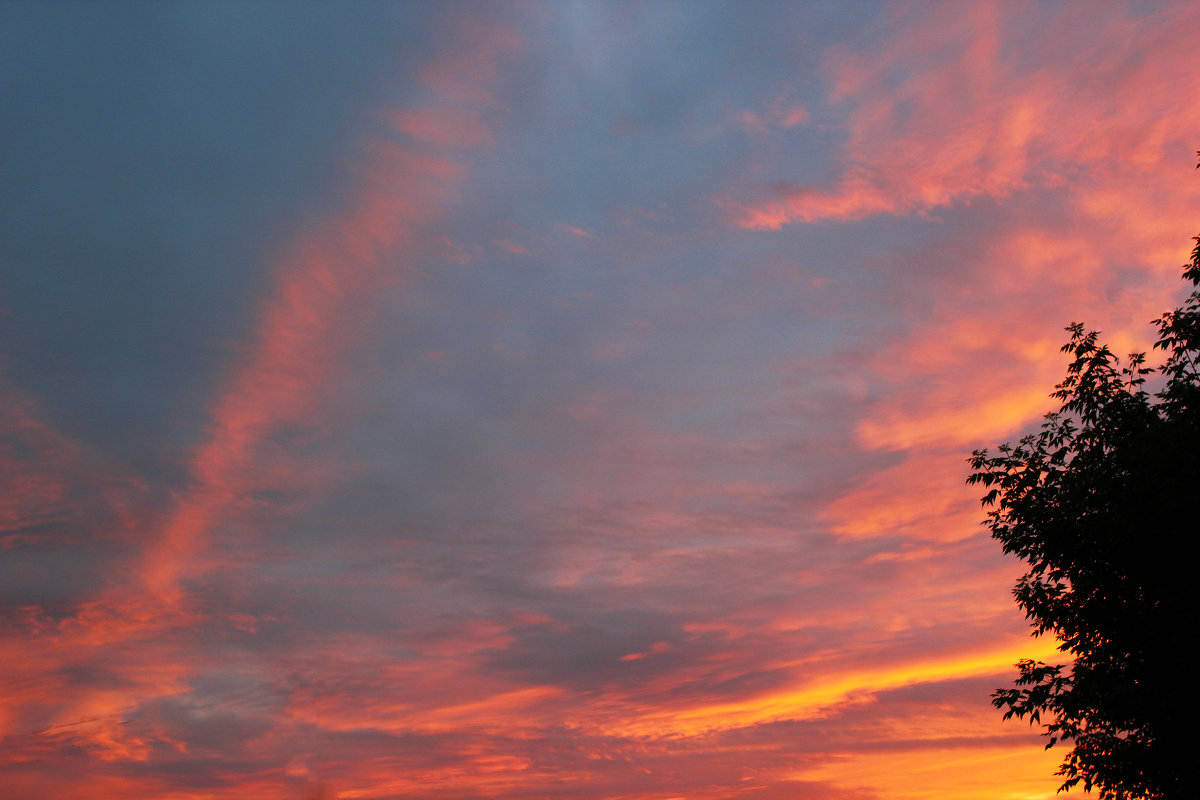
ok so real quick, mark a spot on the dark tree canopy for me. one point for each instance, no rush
(1102, 503)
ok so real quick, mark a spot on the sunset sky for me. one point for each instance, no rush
(549, 399)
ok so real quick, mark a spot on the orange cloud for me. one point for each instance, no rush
(1020, 770)
(924, 498)
(322, 286)
(722, 693)
(816, 696)
(967, 121)
(323, 283)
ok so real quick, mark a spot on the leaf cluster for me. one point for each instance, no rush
(1100, 503)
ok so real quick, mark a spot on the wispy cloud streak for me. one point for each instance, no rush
(597, 426)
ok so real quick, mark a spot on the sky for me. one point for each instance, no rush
(550, 399)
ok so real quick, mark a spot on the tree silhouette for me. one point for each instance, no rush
(1102, 503)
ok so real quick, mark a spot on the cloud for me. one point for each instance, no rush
(320, 284)
(955, 110)
(456, 128)
(470, 497)
(571, 229)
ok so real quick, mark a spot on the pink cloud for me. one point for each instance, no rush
(323, 282)
(969, 122)
(785, 620)
(460, 127)
(467, 73)
(580, 232)
(511, 247)
(133, 630)
(35, 463)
